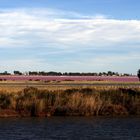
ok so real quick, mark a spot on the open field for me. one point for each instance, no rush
(16, 83)
(70, 78)
(55, 85)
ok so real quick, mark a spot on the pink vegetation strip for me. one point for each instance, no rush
(71, 78)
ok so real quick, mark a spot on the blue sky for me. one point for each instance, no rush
(75, 35)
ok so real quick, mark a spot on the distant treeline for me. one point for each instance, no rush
(52, 73)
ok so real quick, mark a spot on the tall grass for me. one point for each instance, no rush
(72, 102)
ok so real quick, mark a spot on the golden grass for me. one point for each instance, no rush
(13, 86)
(79, 101)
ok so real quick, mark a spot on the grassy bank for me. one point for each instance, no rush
(70, 102)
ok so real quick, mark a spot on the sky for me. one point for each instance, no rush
(70, 36)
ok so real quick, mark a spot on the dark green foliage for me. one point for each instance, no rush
(138, 74)
(17, 73)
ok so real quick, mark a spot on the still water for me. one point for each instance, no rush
(70, 128)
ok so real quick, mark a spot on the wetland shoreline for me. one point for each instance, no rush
(80, 101)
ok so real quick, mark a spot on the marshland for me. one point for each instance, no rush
(70, 101)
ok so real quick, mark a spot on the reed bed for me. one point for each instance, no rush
(86, 101)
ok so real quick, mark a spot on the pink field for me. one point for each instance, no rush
(71, 78)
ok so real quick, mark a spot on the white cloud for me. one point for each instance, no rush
(117, 63)
(21, 28)
(23, 64)
(68, 32)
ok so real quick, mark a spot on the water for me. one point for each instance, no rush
(70, 128)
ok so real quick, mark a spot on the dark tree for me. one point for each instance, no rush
(138, 74)
(17, 73)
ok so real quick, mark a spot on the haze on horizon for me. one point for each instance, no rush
(70, 36)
